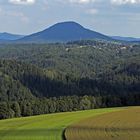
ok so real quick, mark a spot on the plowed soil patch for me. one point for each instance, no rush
(121, 125)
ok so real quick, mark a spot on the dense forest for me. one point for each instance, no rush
(47, 78)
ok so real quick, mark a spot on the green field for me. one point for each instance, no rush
(44, 127)
(121, 125)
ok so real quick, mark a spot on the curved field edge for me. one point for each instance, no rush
(45, 127)
(121, 125)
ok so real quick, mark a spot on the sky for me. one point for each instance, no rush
(110, 17)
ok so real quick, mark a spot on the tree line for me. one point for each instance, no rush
(64, 104)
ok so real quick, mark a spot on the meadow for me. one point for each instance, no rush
(121, 125)
(45, 127)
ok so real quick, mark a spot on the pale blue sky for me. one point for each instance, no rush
(111, 17)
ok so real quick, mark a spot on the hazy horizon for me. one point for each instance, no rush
(110, 17)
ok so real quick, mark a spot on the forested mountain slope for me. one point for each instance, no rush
(76, 59)
(46, 78)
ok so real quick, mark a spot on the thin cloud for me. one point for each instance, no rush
(92, 11)
(81, 1)
(15, 14)
(22, 2)
(118, 2)
(122, 2)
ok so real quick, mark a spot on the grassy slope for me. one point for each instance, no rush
(121, 125)
(44, 127)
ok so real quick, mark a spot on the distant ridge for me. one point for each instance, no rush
(130, 39)
(63, 32)
(9, 37)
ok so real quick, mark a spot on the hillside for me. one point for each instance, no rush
(109, 126)
(69, 67)
(45, 127)
(48, 78)
(63, 32)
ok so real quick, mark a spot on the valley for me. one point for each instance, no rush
(68, 82)
(69, 70)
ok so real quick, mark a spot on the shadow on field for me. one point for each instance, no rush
(30, 132)
(63, 135)
(113, 129)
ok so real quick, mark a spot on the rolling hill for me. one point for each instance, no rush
(63, 32)
(109, 126)
(46, 78)
(45, 127)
